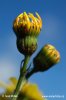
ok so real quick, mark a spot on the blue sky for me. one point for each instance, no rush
(53, 14)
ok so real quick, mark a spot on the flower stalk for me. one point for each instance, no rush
(21, 78)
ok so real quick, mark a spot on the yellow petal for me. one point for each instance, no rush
(40, 20)
(32, 88)
(13, 80)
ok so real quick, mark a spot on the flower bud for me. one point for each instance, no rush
(46, 58)
(27, 24)
(27, 45)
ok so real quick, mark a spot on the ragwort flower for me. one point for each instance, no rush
(29, 91)
(27, 24)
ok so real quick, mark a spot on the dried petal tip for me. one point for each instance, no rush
(46, 58)
(27, 24)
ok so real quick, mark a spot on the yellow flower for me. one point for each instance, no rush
(9, 87)
(29, 91)
(27, 24)
(32, 92)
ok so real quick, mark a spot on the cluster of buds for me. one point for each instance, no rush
(27, 27)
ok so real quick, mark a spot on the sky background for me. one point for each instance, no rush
(53, 14)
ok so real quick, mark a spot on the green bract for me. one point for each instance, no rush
(27, 45)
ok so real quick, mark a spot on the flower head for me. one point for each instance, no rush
(32, 88)
(46, 58)
(27, 24)
(25, 92)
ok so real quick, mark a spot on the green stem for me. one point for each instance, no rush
(21, 78)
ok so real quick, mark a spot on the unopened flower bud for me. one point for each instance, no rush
(46, 58)
(27, 24)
